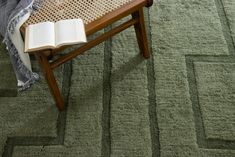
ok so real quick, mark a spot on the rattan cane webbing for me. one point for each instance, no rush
(88, 10)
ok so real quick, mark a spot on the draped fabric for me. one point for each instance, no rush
(12, 14)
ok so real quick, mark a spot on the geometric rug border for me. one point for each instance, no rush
(61, 122)
(202, 141)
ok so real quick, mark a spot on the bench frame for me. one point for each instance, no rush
(135, 9)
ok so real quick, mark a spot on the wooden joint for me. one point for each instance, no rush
(149, 3)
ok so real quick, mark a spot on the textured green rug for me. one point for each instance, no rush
(8, 83)
(179, 103)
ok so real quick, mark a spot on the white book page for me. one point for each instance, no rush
(41, 35)
(69, 32)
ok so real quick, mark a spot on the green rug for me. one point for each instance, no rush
(8, 83)
(179, 103)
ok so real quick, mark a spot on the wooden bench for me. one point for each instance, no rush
(96, 14)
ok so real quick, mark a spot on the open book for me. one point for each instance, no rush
(48, 35)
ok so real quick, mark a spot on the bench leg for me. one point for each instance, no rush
(51, 81)
(141, 32)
